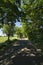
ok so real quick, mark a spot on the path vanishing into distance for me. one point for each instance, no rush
(18, 53)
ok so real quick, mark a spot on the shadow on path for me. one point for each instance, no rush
(20, 52)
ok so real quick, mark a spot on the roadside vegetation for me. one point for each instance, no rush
(5, 38)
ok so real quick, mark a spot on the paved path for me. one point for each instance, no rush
(15, 50)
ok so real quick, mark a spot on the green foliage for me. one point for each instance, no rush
(3, 39)
(25, 28)
(8, 30)
(33, 19)
(9, 12)
(19, 31)
(9, 7)
(31, 15)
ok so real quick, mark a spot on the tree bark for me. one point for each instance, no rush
(8, 37)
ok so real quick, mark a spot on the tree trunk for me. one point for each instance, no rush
(8, 37)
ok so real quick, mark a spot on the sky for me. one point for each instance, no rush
(0, 32)
(17, 24)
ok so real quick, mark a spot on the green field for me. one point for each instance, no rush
(3, 39)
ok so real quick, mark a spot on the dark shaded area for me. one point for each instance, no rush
(20, 52)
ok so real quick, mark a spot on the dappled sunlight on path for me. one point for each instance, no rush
(20, 52)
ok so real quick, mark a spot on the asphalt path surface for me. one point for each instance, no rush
(18, 52)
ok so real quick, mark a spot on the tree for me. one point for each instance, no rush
(31, 10)
(8, 30)
(33, 15)
(9, 9)
(9, 12)
(24, 28)
(19, 32)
